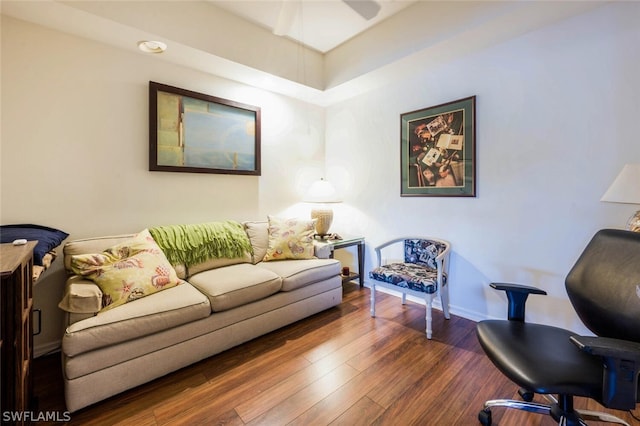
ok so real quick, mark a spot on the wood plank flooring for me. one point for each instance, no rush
(339, 367)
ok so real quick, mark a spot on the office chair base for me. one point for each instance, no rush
(526, 395)
(577, 418)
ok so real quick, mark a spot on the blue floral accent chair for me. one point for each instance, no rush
(423, 273)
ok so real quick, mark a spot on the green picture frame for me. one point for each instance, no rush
(438, 150)
(197, 133)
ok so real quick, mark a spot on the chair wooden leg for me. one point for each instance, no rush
(428, 299)
(444, 299)
(372, 308)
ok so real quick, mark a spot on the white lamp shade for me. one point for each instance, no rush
(626, 187)
(321, 191)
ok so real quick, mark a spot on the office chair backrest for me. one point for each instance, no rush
(604, 285)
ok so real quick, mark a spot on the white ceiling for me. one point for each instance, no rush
(349, 55)
(319, 24)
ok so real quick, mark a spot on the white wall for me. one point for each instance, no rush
(75, 148)
(556, 118)
(556, 121)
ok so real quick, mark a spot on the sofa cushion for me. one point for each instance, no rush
(91, 245)
(98, 244)
(300, 273)
(159, 311)
(290, 239)
(127, 271)
(258, 233)
(236, 285)
(216, 263)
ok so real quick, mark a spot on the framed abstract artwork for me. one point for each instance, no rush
(198, 133)
(437, 150)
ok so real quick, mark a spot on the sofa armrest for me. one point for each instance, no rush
(517, 296)
(622, 361)
(321, 250)
(81, 296)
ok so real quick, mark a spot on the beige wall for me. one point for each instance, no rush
(556, 121)
(556, 114)
(74, 151)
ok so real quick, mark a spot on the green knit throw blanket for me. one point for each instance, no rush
(193, 244)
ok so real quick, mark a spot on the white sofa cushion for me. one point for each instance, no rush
(166, 309)
(91, 245)
(236, 285)
(299, 273)
(216, 263)
(258, 233)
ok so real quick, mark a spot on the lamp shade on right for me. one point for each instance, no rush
(626, 189)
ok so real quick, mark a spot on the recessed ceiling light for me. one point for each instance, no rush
(152, 46)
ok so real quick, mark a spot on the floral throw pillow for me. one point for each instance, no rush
(290, 239)
(127, 271)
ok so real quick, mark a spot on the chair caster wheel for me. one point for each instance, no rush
(526, 395)
(484, 417)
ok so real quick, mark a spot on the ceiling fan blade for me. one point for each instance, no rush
(368, 9)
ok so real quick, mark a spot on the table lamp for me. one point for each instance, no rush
(626, 189)
(322, 193)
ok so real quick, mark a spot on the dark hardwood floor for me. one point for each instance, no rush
(339, 367)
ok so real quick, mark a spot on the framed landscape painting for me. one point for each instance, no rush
(198, 133)
(437, 150)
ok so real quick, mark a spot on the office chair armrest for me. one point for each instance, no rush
(517, 295)
(608, 347)
(621, 359)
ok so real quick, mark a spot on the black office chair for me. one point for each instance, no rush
(604, 289)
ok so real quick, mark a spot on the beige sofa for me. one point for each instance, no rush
(224, 303)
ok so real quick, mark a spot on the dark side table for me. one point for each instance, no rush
(348, 242)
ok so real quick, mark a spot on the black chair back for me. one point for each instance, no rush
(604, 285)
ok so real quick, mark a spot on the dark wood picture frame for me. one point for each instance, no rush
(197, 133)
(438, 150)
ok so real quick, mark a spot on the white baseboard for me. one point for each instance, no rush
(455, 310)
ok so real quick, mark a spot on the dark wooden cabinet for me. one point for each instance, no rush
(16, 344)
